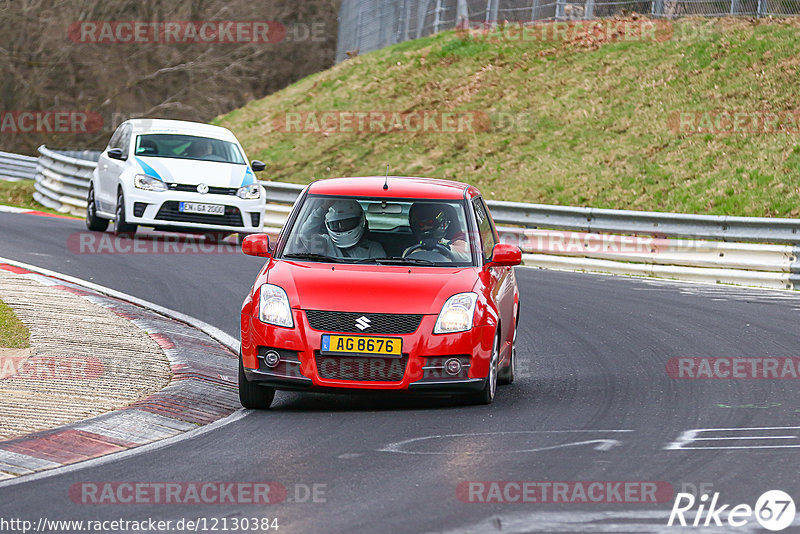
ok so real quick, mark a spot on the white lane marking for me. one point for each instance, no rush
(231, 342)
(688, 437)
(13, 209)
(601, 444)
(122, 455)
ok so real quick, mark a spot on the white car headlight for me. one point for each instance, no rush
(273, 306)
(148, 183)
(249, 192)
(456, 314)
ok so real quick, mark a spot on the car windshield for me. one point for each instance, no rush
(188, 147)
(381, 231)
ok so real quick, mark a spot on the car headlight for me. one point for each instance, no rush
(273, 306)
(249, 192)
(456, 314)
(148, 183)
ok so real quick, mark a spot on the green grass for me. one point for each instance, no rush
(592, 119)
(13, 334)
(20, 195)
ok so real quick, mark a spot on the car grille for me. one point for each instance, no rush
(379, 323)
(211, 190)
(365, 369)
(169, 212)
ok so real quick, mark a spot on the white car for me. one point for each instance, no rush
(178, 176)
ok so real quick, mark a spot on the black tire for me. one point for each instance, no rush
(253, 396)
(506, 375)
(93, 222)
(487, 394)
(120, 225)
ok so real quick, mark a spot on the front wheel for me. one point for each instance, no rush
(253, 396)
(93, 222)
(486, 395)
(120, 225)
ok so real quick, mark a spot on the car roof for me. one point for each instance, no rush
(144, 126)
(398, 187)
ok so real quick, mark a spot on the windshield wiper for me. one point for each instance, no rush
(402, 261)
(313, 256)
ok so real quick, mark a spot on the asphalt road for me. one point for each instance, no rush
(593, 402)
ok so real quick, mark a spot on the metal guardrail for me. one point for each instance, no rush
(16, 167)
(62, 179)
(670, 245)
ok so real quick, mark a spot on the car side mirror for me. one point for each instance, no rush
(115, 153)
(256, 245)
(258, 165)
(506, 255)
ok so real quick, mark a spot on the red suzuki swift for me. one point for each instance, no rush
(381, 284)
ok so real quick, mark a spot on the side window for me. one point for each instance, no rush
(485, 228)
(125, 140)
(115, 139)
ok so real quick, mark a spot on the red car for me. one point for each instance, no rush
(381, 284)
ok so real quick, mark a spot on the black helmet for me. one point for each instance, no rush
(430, 220)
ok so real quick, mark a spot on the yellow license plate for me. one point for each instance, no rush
(383, 346)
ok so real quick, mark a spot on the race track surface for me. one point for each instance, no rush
(593, 402)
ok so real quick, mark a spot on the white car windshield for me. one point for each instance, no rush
(188, 147)
(383, 231)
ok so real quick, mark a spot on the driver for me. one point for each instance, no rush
(344, 235)
(436, 225)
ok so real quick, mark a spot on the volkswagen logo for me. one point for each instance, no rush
(362, 323)
(202, 189)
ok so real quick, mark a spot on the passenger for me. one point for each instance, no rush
(344, 233)
(436, 228)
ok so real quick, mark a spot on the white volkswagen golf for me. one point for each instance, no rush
(178, 176)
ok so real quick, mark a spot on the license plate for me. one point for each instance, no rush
(382, 346)
(209, 209)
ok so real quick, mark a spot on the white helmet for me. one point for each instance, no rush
(345, 223)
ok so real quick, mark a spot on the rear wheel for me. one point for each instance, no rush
(120, 225)
(486, 395)
(253, 396)
(93, 222)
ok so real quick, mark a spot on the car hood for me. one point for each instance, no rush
(193, 172)
(369, 288)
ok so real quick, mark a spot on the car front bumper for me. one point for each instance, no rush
(161, 210)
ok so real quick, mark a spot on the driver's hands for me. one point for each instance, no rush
(459, 246)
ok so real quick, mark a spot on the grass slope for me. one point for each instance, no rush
(13, 334)
(596, 118)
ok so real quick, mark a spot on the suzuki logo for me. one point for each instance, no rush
(202, 189)
(363, 323)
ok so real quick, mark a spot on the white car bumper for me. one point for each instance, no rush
(162, 210)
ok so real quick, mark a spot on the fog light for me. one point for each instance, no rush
(272, 358)
(452, 366)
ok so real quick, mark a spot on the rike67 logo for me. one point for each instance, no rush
(774, 510)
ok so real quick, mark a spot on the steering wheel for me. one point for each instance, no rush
(438, 248)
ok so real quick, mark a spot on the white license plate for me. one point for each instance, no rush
(209, 209)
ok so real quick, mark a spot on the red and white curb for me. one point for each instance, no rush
(203, 388)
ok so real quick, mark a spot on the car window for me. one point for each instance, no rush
(430, 232)
(125, 140)
(182, 146)
(114, 141)
(486, 229)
